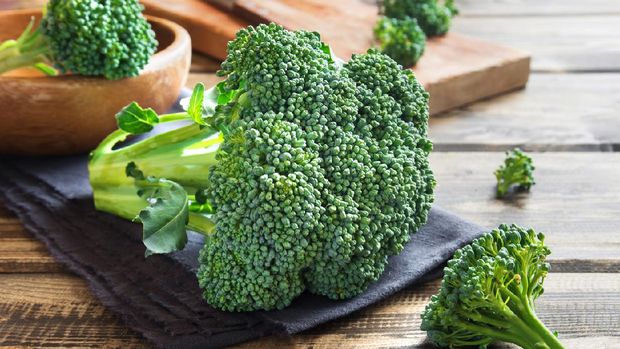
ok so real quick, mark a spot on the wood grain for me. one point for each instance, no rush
(570, 302)
(567, 112)
(536, 8)
(58, 310)
(557, 44)
(210, 27)
(574, 202)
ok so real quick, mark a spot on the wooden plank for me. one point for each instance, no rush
(210, 27)
(19, 251)
(58, 310)
(557, 44)
(584, 312)
(536, 7)
(456, 69)
(566, 112)
(574, 202)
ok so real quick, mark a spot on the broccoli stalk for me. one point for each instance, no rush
(110, 39)
(488, 293)
(182, 155)
(517, 170)
(302, 171)
(27, 50)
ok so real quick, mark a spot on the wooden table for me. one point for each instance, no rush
(568, 116)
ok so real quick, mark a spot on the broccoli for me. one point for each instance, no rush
(516, 169)
(401, 39)
(488, 291)
(109, 38)
(433, 17)
(302, 171)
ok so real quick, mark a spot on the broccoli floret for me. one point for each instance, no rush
(98, 38)
(516, 169)
(401, 39)
(488, 291)
(308, 172)
(433, 17)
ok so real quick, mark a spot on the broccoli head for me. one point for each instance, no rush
(401, 39)
(488, 291)
(108, 38)
(433, 17)
(517, 170)
(308, 172)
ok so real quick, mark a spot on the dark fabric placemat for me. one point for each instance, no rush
(159, 296)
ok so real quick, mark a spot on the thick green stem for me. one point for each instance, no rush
(546, 337)
(28, 50)
(183, 155)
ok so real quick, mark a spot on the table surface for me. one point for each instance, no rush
(568, 117)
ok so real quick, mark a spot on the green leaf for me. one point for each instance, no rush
(164, 220)
(136, 120)
(195, 107)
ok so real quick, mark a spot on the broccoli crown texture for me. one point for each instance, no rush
(320, 170)
(433, 17)
(324, 174)
(110, 37)
(517, 169)
(488, 290)
(401, 39)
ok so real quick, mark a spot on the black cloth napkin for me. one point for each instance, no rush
(159, 296)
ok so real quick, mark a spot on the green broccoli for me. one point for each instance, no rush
(433, 17)
(108, 38)
(488, 291)
(516, 169)
(304, 172)
(401, 39)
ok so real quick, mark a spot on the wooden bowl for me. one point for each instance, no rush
(70, 114)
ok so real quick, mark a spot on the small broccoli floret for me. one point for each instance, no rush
(516, 169)
(401, 39)
(308, 172)
(488, 293)
(97, 38)
(433, 17)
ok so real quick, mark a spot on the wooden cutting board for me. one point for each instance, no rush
(455, 69)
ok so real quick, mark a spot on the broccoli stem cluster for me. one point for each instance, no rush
(488, 293)
(517, 169)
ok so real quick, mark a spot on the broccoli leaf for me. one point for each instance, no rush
(195, 107)
(165, 218)
(136, 120)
